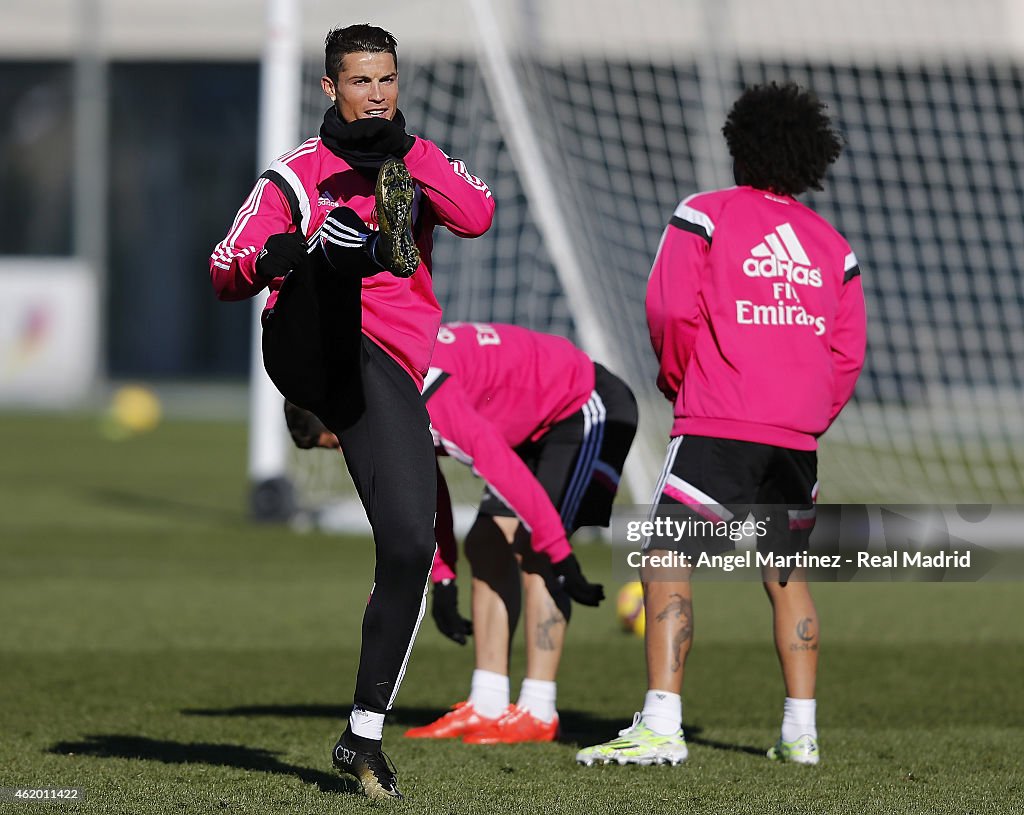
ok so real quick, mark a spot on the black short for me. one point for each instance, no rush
(579, 460)
(717, 484)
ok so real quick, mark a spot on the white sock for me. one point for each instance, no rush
(489, 693)
(798, 719)
(538, 697)
(366, 724)
(663, 712)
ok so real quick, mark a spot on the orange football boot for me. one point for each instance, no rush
(515, 725)
(461, 720)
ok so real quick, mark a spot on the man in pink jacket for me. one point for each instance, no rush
(341, 229)
(548, 430)
(756, 315)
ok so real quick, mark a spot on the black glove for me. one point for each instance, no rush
(343, 238)
(281, 254)
(575, 584)
(305, 428)
(446, 612)
(379, 135)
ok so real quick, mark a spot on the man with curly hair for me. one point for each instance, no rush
(756, 314)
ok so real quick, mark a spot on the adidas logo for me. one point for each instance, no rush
(781, 254)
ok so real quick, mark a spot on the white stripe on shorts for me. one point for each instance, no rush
(594, 415)
(666, 471)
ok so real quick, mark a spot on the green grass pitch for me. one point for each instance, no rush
(166, 656)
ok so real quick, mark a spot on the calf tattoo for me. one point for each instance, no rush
(545, 642)
(680, 609)
(806, 633)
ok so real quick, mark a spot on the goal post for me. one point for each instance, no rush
(271, 491)
(539, 181)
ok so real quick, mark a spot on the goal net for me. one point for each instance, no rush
(590, 120)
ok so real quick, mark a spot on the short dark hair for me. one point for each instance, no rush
(355, 39)
(781, 139)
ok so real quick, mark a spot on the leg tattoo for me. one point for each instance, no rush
(681, 609)
(545, 642)
(806, 633)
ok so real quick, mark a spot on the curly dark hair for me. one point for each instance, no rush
(781, 139)
(354, 39)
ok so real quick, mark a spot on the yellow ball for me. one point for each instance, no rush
(134, 409)
(630, 608)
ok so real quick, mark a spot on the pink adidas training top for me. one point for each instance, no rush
(490, 388)
(400, 315)
(756, 313)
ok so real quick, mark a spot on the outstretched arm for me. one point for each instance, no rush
(447, 554)
(445, 606)
(469, 437)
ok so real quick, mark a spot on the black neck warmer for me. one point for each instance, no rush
(352, 142)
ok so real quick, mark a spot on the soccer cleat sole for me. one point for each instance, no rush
(395, 193)
(622, 762)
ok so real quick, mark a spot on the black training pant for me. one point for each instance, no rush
(316, 354)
